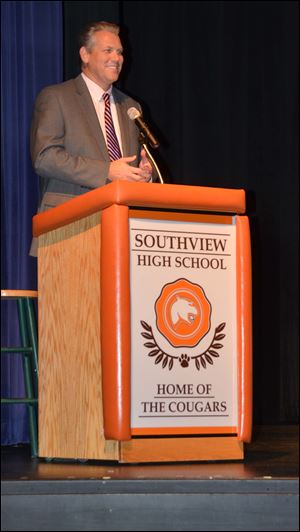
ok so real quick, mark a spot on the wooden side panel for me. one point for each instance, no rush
(70, 392)
(181, 449)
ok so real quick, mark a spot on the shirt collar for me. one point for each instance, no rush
(95, 90)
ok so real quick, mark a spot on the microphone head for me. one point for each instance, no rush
(133, 113)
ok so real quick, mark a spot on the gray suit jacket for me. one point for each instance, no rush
(67, 145)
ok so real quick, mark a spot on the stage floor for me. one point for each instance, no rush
(260, 493)
(273, 453)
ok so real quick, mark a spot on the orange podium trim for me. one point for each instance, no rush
(115, 322)
(152, 195)
(244, 328)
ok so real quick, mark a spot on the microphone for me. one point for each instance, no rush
(134, 114)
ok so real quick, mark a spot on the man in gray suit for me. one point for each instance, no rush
(69, 136)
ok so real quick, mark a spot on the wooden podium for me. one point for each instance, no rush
(126, 377)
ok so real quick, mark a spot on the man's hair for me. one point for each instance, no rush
(87, 33)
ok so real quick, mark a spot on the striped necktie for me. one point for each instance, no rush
(111, 137)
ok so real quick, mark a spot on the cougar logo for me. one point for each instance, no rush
(184, 310)
(183, 313)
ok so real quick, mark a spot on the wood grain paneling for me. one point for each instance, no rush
(181, 449)
(70, 395)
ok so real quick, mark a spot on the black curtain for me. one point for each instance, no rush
(218, 82)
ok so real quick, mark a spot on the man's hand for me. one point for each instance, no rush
(145, 165)
(121, 169)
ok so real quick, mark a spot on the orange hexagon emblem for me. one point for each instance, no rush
(183, 313)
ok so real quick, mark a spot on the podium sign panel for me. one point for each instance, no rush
(183, 324)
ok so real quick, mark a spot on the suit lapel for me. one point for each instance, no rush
(87, 106)
(123, 121)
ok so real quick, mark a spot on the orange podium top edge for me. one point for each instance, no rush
(152, 195)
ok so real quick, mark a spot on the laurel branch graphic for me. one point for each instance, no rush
(168, 360)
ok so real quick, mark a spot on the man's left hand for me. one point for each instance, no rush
(145, 166)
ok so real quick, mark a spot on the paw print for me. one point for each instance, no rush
(184, 361)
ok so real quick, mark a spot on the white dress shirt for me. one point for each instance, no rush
(96, 93)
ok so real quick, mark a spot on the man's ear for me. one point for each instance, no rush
(84, 55)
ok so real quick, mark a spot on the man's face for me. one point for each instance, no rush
(104, 61)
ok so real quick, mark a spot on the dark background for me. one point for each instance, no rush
(218, 83)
